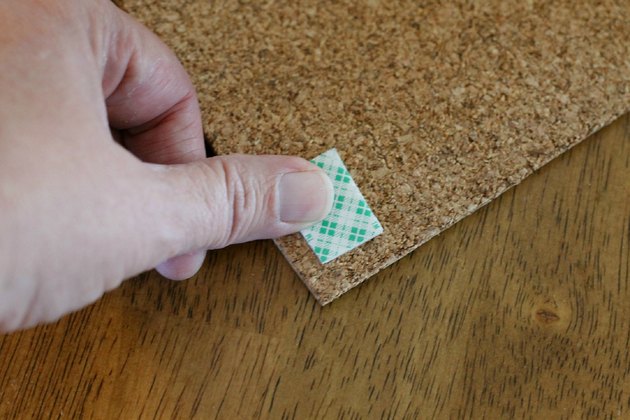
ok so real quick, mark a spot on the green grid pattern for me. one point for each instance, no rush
(350, 223)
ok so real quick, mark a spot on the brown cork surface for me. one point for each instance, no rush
(435, 107)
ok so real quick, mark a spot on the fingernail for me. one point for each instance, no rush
(305, 197)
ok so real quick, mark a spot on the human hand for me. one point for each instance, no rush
(78, 212)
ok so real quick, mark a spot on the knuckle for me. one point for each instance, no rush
(242, 197)
(237, 202)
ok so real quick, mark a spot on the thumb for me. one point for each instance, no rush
(237, 198)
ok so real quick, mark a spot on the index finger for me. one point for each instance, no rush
(150, 97)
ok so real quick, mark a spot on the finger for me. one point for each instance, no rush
(183, 266)
(152, 104)
(149, 96)
(230, 199)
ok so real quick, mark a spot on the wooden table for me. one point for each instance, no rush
(522, 309)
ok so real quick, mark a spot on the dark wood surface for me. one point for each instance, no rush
(522, 309)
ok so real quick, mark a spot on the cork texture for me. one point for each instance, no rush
(435, 107)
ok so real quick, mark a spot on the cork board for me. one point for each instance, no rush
(435, 107)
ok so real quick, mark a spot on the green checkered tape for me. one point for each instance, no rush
(350, 223)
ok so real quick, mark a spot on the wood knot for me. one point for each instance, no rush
(546, 316)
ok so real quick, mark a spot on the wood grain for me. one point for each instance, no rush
(520, 310)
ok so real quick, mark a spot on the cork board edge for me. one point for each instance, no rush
(320, 290)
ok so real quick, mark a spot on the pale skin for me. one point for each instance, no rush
(80, 211)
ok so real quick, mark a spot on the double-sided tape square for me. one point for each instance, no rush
(350, 223)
